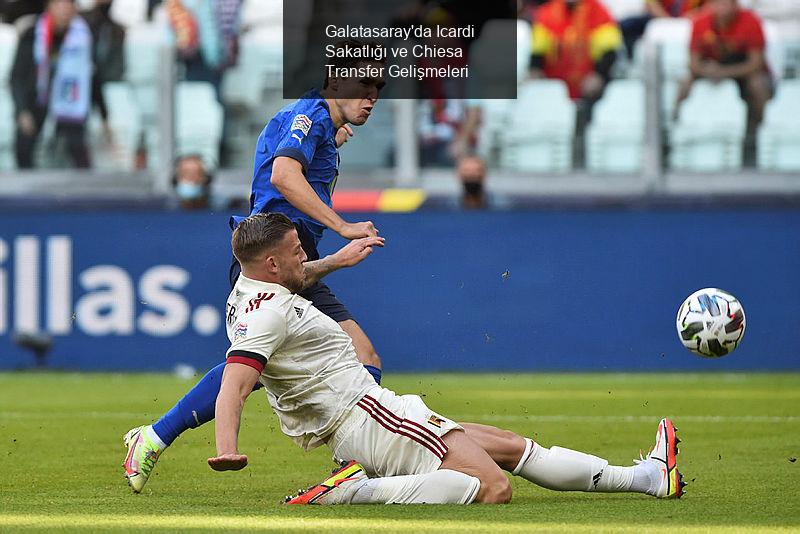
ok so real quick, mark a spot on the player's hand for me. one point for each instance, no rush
(358, 230)
(228, 462)
(355, 251)
(343, 135)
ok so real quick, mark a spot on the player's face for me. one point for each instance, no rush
(356, 111)
(289, 257)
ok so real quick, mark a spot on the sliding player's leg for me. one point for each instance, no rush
(563, 469)
(467, 474)
(349, 484)
(415, 456)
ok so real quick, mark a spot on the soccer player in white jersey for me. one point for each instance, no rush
(392, 448)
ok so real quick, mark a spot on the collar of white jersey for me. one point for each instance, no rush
(249, 285)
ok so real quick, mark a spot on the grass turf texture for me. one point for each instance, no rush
(61, 454)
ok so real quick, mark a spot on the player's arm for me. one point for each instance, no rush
(287, 177)
(237, 383)
(348, 256)
(754, 63)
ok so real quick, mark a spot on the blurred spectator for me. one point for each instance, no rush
(728, 43)
(633, 27)
(472, 174)
(11, 10)
(575, 41)
(206, 37)
(439, 123)
(52, 74)
(466, 137)
(192, 182)
(108, 39)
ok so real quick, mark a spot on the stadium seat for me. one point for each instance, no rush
(125, 122)
(539, 129)
(615, 137)
(129, 13)
(262, 14)
(8, 47)
(621, 9)
(779, 134)
(523, 49)
(260, 68)
(710, 130)
(672, 36)
(198, 121)
(7, 129)
(775, 52)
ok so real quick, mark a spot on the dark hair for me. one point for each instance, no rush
(259, 233)
(353, 62)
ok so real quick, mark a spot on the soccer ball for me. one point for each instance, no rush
(710, 322)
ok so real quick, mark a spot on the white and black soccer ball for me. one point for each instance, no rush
(711, 322)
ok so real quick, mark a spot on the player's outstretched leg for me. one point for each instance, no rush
(349, 484)
(563, 469)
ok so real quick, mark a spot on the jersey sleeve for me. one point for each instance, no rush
(754, 36)
(300, 142)
(256, 338)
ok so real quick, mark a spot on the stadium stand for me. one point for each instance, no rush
(8, 44)
(779, 134)
(537, 134)
(710, 129)
(199, 119)
(615, 137)
(126, 127)
(621, 9)
(672, 36)
(129, 13)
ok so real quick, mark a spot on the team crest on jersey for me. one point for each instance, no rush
(435, 420)
(240, 332)
(302, 123)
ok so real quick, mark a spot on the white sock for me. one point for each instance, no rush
(440, 487)
(563, 469)
(153, 436)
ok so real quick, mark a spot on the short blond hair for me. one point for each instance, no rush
(258, 233)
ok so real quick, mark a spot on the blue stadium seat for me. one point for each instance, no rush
(710, 130)
(779, 134)
(539, 129)
(615, 137)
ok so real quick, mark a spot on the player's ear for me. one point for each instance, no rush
(333, 83)
(272, 264)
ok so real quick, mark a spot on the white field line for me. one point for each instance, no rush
(632, 418)
(773, 419)
(86, 522)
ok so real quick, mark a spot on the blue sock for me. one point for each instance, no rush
(375, 372)
(194, 409)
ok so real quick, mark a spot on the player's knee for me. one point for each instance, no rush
(495, 491)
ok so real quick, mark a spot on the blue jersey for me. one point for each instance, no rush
(303, 131)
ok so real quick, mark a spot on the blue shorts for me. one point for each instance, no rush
(319, 294)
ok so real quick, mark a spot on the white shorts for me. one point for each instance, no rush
(391, 435)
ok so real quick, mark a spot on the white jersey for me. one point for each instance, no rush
(309, 366)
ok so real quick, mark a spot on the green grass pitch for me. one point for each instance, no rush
(61, 454)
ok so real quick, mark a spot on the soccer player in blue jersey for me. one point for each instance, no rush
(295, 172)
